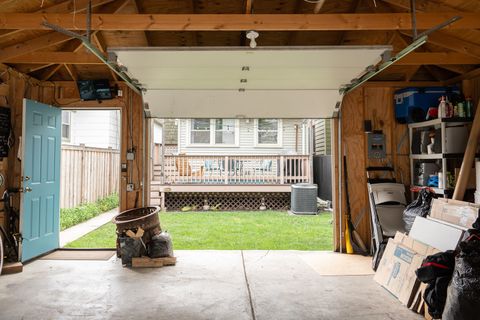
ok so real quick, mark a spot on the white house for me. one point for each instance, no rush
(93, 128)
(243, 156)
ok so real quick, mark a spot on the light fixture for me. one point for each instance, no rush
(252, 35)
(246, 68)
(243, 80)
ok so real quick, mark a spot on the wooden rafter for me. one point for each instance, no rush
(76, 6)
(238, 22)
(71, 71)
(248, 6)
(59, 57)
(410, 73)
(318, 6)
(76, 45)
(353, 8)
(452, 43)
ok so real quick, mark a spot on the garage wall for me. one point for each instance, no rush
(14, 87)
(375, 104)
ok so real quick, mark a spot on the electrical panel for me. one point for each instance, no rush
(376, 146)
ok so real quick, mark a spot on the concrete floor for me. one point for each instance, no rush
(203, 285)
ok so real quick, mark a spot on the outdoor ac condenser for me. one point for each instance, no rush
(304, 198)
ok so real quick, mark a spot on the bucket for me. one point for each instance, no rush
(145, 218)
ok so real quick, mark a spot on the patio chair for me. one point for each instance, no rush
(185, 170)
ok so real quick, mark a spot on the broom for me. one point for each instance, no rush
(350, 231)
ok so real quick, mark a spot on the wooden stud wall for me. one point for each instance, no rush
(375, 104)
(15, 86)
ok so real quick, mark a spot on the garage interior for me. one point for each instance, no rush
(399, 81)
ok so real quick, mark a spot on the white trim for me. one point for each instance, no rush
(212, 143)
(279, 143)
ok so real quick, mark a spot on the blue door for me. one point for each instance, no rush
(40, 212)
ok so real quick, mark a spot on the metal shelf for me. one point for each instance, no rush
(434, 122)
(437, 156)
(436, 190)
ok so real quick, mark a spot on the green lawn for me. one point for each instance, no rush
(276, 230)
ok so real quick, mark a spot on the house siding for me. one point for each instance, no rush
(247, 140)
(95, 128)
(322, 136)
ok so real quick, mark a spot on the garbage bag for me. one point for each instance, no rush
(436, 271)
(419, 207)
(160, 246)
(463, 294)
(129, 248)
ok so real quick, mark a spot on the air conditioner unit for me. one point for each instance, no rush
(304, 198)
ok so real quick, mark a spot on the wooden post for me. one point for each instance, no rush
(468, 158)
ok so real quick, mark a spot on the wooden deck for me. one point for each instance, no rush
(228, 173)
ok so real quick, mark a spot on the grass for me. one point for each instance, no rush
(275, 230)
(73, 216)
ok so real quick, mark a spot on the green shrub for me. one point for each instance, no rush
(73, 216)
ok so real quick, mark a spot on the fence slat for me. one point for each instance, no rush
(88, 174)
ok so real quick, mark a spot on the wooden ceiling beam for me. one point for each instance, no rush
(71, 6)
(56, 57)
(239, 22)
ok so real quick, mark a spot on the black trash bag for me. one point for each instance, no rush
(463, 294)
(436, 271)
(160, 246)
(130, 248)
(420, 207)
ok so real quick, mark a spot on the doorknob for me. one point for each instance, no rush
(26, 189)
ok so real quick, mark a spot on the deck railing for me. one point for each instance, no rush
(233, 169)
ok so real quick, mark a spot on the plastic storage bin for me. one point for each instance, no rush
(411, 104)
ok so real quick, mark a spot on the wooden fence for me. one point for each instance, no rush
(88, 174)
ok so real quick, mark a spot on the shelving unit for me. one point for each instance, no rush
(443, 124)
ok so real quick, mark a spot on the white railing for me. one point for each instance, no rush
(233, 169)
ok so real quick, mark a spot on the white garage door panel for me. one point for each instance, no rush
(248, 104)
(228, 82)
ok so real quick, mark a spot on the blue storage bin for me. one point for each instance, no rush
(411, 104)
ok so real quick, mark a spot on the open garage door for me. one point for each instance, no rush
(246, 83)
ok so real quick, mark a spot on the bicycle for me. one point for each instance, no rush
(10, 238)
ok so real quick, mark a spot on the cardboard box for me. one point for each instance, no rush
(436, 234)
(396, 271)
(456, 212)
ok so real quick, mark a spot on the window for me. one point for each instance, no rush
(268, 132)
(200, 131)
(214, 132)
(224, 131)
(66, 125)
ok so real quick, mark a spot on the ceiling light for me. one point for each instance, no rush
(252, 35)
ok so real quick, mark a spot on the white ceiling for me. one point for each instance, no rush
(213, 82)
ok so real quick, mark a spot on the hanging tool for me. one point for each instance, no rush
(350, 232)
